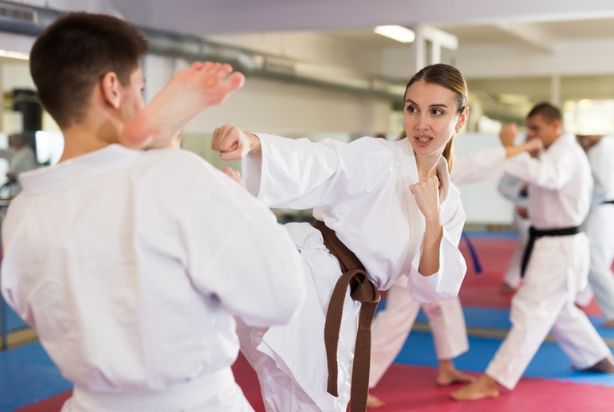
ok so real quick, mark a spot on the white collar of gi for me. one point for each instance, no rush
(76, 169)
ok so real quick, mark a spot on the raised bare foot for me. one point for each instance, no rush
(447, 377)
(374, 402)
(608, 323)
(605, 365)
(483, 387)
(189, 92)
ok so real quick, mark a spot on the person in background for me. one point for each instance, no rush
(599, 225)
(21, 158)
(555, 264)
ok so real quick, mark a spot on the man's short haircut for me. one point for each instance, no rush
(547, 111)
(72, 55)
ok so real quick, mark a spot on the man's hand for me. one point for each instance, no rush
(508, 134)
(522, 212)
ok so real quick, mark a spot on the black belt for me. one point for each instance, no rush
(535, 234)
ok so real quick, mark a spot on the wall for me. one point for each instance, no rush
(482, 201)
(281, 107)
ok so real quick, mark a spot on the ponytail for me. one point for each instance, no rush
(447, 153)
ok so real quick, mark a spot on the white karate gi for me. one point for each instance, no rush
(131, 265)
(599, 225)
(511, 188)
(360, 190)
(446, 320)
(559, 196)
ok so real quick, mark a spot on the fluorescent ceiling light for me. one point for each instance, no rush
(398, 33)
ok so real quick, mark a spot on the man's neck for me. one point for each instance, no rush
(82, 139)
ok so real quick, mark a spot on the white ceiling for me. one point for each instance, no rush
(251, 16)
(535, 23)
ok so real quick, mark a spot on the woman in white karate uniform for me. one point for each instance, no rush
(390, 203)
(446, 321)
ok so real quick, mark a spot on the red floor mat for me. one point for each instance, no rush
(412, 388)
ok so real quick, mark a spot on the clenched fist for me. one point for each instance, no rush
(508, 134)
(426, 193)
(233, 144)
(534, 146)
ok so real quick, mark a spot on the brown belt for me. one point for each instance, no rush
(364, 291)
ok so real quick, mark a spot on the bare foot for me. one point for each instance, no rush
(447, 377)
(189, 92)
(374, 402)
(483, 387)
(605, 365)
(608, 323)
(507, 289)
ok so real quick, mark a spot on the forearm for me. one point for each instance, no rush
(431, 244)
(294, 173)
(511, 151)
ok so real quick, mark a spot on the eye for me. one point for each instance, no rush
(411, 108)
(436, 111)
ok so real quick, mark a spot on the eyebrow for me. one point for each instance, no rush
(432, 105)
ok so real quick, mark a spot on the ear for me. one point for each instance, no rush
(558, 126)
(111, 89)
(462, 118)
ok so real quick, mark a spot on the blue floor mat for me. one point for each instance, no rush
(493, 318)
(550, 362)
(13, 322)
(27, 375)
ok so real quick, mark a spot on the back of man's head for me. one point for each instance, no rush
(547, 111)
(72, 55)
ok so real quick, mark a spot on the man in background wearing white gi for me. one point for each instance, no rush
(559, 186)
(599, 225)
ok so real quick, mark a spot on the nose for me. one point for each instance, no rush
(423, 122)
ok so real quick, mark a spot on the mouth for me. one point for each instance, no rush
(423, 139)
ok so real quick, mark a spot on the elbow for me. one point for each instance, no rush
(443, 285)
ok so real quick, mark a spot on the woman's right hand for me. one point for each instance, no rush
(233, 143)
